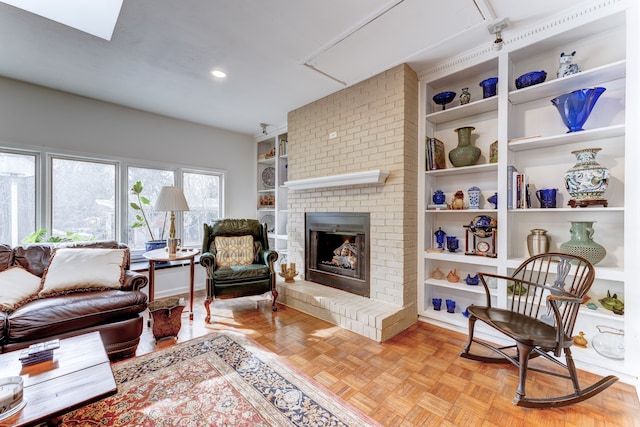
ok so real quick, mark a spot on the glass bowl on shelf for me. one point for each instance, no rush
(531, 78)
(443, 98)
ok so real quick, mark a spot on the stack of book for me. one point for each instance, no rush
(37, 353)
(518, 195)
(435, 154)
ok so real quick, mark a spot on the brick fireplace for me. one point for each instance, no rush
(376, 122)
(337, 250)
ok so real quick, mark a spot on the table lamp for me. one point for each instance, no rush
(172, 199)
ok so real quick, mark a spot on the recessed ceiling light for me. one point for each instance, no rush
(219, 74)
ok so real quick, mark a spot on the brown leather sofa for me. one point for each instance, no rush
(116, 314)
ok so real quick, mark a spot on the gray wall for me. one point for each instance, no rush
(36, 117)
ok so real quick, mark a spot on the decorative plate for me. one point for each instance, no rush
(269, 177)
(271, 222)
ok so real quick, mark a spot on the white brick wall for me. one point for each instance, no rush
(377, 125)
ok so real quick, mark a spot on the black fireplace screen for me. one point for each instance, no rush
(337, 250)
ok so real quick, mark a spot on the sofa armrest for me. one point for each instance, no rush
(134, 281)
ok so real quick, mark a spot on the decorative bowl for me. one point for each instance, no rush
(575, 107)
(531, 78)
(443, 98)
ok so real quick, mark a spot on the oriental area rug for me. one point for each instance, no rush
(217, 380)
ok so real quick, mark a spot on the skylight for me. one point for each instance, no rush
(96, 17)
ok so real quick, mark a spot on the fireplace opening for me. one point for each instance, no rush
(337, 250)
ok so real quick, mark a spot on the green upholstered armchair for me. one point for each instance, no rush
(236, 254)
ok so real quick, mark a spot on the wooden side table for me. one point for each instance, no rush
(161, 255)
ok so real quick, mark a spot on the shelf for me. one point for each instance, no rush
(591, 356)
(456, 211)
(598, 209)
(486, 167)
(371, 177)
(552, 88)
(567, 138)
(267, 161)
(601, 313)
(461, 286)
(471, 109)
(602, 273)
(269, 190)
(461, 258)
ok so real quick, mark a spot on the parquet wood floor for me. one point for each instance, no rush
(413, 379)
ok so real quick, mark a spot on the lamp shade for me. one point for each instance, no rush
(171, 199)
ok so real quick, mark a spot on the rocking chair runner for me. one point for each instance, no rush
(545, 295)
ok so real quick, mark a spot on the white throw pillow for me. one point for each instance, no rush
(83, 269)
(17, 286)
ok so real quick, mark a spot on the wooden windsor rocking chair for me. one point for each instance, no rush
(545, 296)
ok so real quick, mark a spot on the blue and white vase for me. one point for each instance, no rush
(587, 179)
(474, 197)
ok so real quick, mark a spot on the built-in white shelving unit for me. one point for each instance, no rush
(532, 137)
(272, 168)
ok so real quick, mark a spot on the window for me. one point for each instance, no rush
(17, 196)
(90, 198)
(83, 195)
(202, 192)
(158, 225)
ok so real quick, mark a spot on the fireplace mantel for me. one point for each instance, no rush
(373, 177)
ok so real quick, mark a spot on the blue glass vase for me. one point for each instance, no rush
(439, 233)
(489, 87)
(575, 107)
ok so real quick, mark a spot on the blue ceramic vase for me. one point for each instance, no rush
(439, 197)
(575, 107)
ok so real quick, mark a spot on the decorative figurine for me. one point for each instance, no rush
(567, 67)
(580, 340)
(472, 280)
(458, 200)
(453, 276)
(437, 274)
(612, 303)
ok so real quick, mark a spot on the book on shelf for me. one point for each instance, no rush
(283, 147)
(519, 191)
(435, 154)
(511, 171)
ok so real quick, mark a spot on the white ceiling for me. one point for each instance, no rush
(278, 54)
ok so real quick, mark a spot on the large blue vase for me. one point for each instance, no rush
(575, 107)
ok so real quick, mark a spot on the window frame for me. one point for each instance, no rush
(44, 185)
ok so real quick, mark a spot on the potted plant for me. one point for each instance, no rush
(40, 236)
(142, 220)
